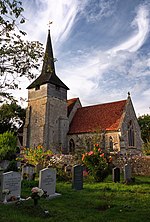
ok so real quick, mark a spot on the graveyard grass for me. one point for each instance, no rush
(105, 201)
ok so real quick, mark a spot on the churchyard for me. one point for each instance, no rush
(81, 199)
(89, 187)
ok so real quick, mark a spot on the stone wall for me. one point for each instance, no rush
(140, 164)
(129, 115)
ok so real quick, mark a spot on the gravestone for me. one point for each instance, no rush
(47, 181)
(116, 174)
(1, 174)
(28, 172)
(127, 173)
(12, 181)
(4, 164)
(68, 170)
(77, 177)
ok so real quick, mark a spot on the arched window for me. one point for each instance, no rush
(71, 146)
(111, 143)
(130, 134)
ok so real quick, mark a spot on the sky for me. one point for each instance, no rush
(102, 47)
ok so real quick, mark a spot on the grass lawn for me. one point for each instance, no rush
(106, 201)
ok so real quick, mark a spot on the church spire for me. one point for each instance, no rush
(48, 74)
(48, 64)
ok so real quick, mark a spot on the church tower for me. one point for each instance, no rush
(46, 118)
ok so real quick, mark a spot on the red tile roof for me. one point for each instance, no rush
(70, 104)
(98, 117)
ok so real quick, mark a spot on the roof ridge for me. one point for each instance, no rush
(104, 103)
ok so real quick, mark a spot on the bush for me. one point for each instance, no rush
(37, 156)
(8, 146)
(12, 166)
(97, 163)
(63, 164)
(146, 148)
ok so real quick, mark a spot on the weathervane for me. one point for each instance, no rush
(49, 23)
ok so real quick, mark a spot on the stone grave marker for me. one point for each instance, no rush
(28, 171)
(127, 172)
(4, 164)
(77, 177)
(12, 181)
(47, 181)
(68, 170)
(116, 174)
(1, 174)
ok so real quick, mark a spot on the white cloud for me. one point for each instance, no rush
(86, 74)
(61, 12)
(141, 22)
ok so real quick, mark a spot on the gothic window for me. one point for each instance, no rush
(130, 134)
(111, 143)
(71, 146)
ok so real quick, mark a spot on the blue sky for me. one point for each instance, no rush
(102, 47)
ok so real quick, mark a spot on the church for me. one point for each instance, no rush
(60, 124)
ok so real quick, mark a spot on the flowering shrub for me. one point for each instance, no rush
(36, 194)
(63, 164)
(97, 163)
(35, 156)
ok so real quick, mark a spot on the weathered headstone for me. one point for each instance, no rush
(4, 164)
(12, 181)
(77, 177)
(28, 171)
(116, 174)
(1, 174)
(47, 181)
(127, 173)
(68, 169)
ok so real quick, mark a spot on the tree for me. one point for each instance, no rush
(8, 146)
(12, 117)
(18, 58)
(144, 123)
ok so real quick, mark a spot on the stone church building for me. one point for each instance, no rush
(58, 123)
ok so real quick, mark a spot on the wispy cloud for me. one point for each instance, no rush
(141, 26)
(118, 70)
(95, 76)
(61, 12)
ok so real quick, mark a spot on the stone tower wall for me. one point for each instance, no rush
(35, 117)
(46, 119)
(57, 124)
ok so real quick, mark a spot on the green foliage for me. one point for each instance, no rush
(11, 117)
(37, 156)
(144, 123)
(12, 166)
(17, 57)
(8, 146)
(62, 175)
(146, 148)
(97, 163)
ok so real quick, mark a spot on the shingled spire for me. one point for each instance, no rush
(48, 74)
(48, 63)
